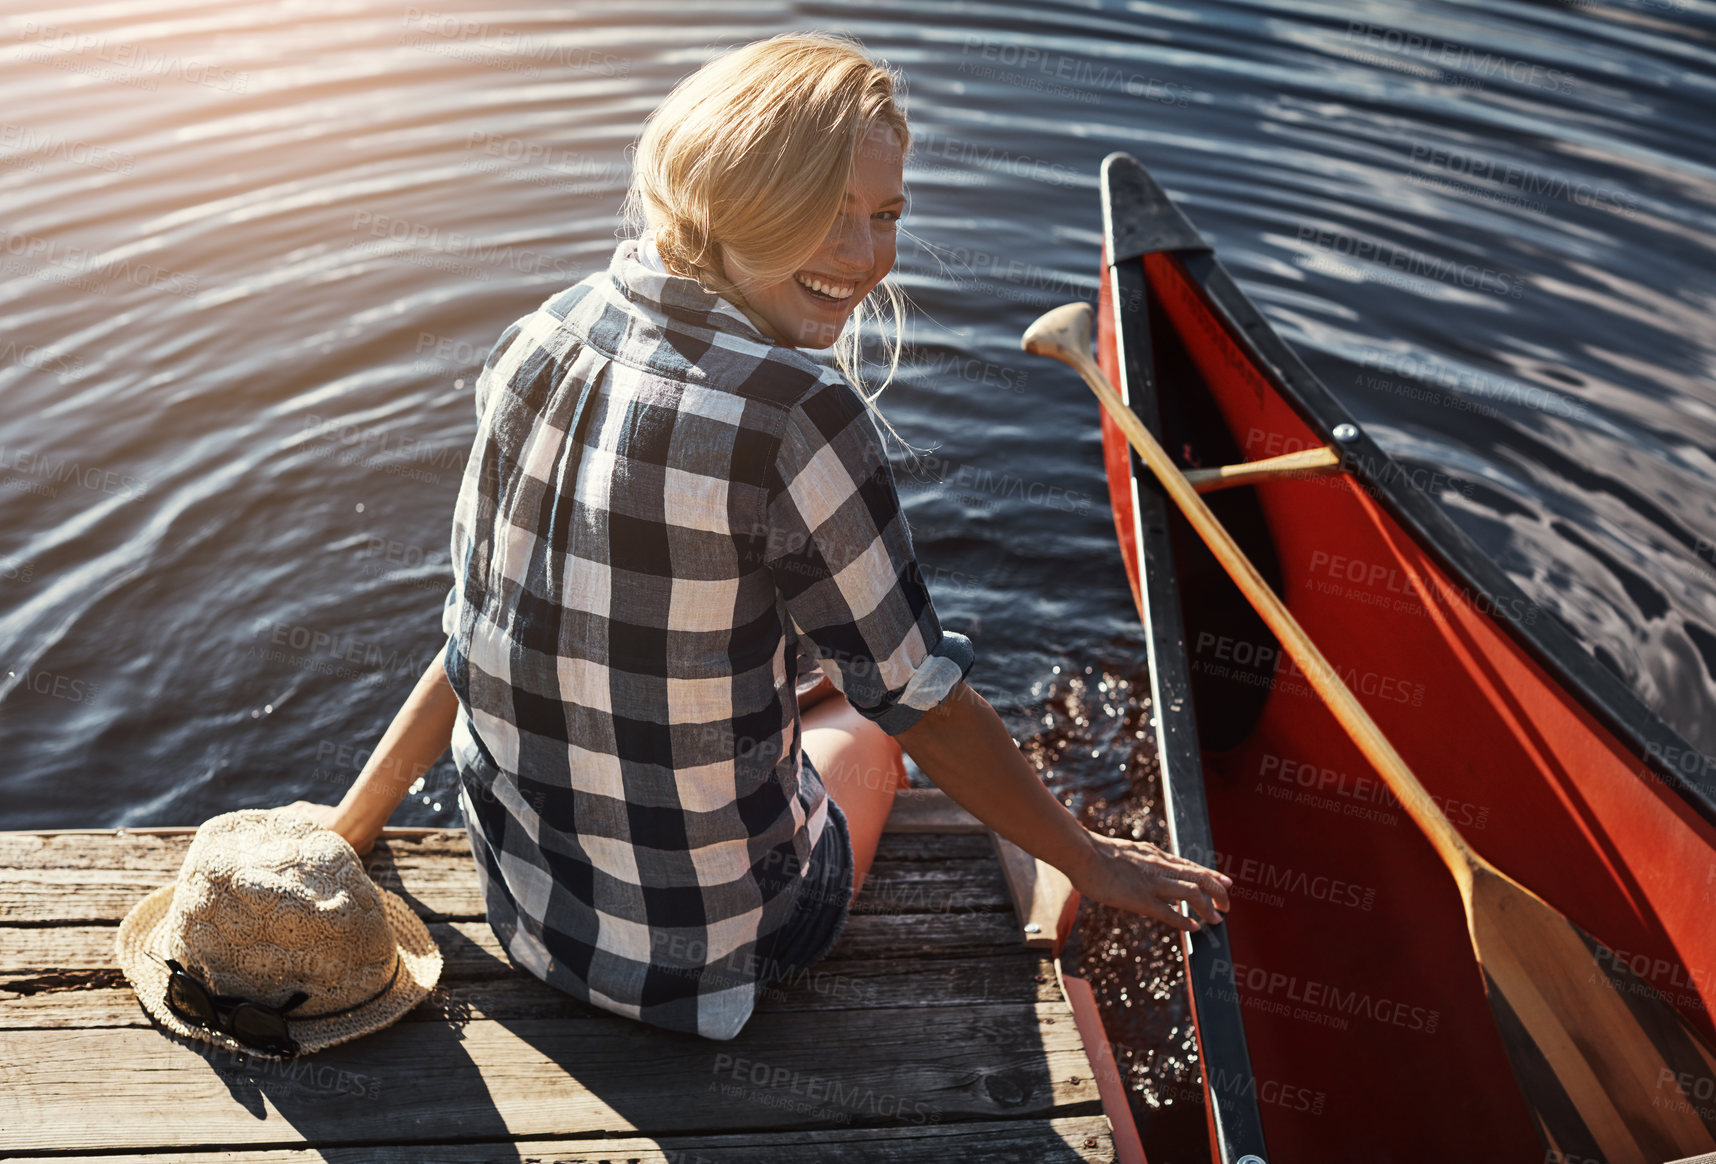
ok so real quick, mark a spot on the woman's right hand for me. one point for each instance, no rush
(1138, 876)
(328, 816)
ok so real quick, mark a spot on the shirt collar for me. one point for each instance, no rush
(636, 268)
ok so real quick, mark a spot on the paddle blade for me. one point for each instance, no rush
(1608, 1066)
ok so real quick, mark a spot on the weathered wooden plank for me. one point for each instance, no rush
(1043, 898)
(933, 847)
(1063, 1140)
(81, 884)
(86, 896)
(948, 934)
(929, 810)
(445, 891)
(424, 1082)
(915, 811)
(470, 949)
(408, 832)
(952, 885)
(102, 998)
(166, 853)
(165, 850)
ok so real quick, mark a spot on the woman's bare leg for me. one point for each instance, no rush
(861, 766)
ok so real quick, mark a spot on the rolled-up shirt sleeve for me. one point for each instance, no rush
(842, 559)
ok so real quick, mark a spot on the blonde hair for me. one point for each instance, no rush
(748, 159)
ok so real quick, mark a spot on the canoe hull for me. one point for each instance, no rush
(1348, 1018)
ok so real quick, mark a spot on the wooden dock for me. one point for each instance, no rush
(932, 1031)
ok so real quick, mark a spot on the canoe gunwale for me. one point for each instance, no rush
(1235, 1122)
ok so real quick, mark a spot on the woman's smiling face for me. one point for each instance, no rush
(810, 308)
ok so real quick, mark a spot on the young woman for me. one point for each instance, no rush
(671, 516)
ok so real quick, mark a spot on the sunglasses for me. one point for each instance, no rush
(251, 1023)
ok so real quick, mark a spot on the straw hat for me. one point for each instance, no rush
(269, 904)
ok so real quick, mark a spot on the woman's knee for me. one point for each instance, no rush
(859, 753)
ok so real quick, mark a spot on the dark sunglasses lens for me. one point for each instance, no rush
(251, 1024)
(187, 1000)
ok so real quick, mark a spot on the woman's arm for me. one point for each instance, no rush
(418, 737)
(962, 745)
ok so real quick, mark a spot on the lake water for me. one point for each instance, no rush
(252, 255)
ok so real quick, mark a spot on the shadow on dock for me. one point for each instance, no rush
(930, 1032)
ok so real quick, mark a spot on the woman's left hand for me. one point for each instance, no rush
(1138, 876)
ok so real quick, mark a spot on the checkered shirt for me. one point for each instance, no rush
(665, 519)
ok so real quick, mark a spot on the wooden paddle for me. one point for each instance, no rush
(1610, 1069)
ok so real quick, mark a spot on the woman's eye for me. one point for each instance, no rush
(887, 215)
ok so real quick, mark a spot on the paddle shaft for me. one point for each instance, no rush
(1459, 856)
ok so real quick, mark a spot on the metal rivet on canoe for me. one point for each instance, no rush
(1345, 432)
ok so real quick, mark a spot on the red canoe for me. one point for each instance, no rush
(1340, 1014)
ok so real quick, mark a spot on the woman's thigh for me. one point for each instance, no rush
(861, 765)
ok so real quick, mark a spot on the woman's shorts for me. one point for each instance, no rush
(824, 901)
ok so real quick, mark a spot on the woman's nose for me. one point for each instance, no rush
(849, 245)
